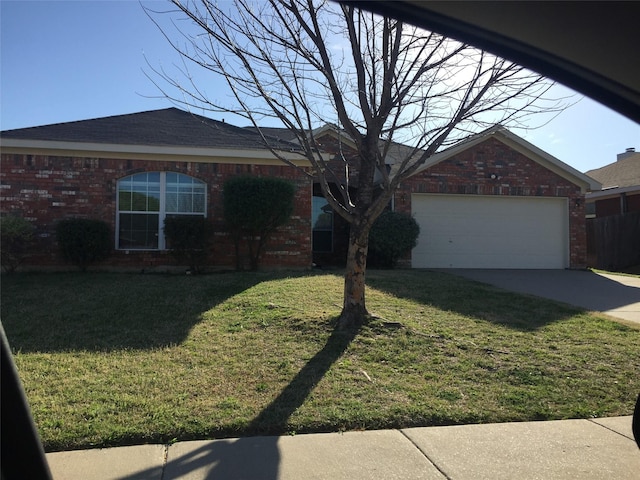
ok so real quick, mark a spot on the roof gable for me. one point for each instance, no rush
(395, 153)
(327, 130)
(519, 144)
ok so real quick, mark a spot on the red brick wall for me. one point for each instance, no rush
(470, 173)
(633, 203)
(618, 205)
(608, 206)
(44, 189)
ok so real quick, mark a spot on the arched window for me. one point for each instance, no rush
(146, 199)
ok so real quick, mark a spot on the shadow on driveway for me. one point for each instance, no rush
(447, 292)
(615, 295)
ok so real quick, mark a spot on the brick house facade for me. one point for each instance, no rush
(470, 172)
(73, 170)
(493, 163)
(45, 188)
(69, 170)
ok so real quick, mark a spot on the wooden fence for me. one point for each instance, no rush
(613, 243)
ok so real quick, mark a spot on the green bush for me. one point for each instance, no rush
(83, 241)
(188, 239)
(16, 236)
(253, 208)
(392, 235)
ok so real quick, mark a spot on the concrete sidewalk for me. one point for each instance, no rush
(566, 449)
(615, 295)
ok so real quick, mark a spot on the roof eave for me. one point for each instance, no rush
(612, 192)
(149, 152)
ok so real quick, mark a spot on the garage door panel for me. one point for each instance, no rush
(462, 231)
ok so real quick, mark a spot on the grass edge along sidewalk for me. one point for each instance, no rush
(116, 359)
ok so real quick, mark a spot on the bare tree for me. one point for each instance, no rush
(380, 81)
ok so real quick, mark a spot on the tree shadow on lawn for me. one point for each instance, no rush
(257, 456)
(273, 419)
(106, 312)
(472, 299)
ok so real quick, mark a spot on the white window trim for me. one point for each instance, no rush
(161, 212)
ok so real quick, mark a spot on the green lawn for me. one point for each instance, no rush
(111, 359)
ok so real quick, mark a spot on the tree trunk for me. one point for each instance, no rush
(354, 310)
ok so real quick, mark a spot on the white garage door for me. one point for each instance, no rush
(464, 231)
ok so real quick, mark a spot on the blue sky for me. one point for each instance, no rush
(62, 61)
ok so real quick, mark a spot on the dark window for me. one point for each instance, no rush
(322, 221)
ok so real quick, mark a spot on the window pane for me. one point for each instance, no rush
(125, 183)
(184, 203)
(153, 177)
(172, 178)
(198, 203)
(138, 231)
(124, 200)
(172, 202)
(138, 202)
(322, 222)
(322, 214)
(140, 192)
(184, 194)
(153, 202)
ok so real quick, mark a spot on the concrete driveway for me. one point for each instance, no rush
(615, 295)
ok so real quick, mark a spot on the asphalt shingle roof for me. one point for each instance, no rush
(170, 127)
(623, 173)
(279, 133)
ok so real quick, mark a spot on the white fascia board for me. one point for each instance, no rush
(612, 192)
(150, 152)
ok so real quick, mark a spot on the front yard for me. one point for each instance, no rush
(111, 359)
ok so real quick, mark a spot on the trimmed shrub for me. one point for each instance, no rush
(83, 241)
(188, 239)
(392, 235)
(16, 236)
(253, 208)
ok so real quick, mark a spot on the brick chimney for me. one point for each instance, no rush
(629, 152)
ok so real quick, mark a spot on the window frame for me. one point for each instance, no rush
(314, 230)
(162, 212)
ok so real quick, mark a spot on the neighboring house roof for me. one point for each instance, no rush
(623, 173)
(620, 177)
(519, 144)
(166, 131)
